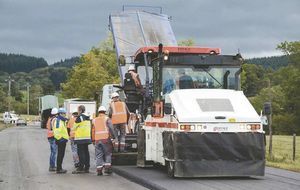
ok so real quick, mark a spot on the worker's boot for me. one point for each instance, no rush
(86, 170)
(61, 171)
(76, 165)
(78, 171)
(52, 169)
(99, 172)
(108, 169)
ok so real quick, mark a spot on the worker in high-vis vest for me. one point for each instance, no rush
(82, 138)
(59, 125)
(102, 135)
(51, 140)
(135, 77)
(72, 136)
(119, 114)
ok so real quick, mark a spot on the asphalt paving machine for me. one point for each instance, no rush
(193, 117)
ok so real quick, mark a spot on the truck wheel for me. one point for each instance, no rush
(170, 168)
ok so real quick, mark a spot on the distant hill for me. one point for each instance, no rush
(34, 70)
(274, 62)
(69, 63)
(12, 63)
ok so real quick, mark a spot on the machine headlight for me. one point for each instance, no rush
(185, 127)
(249, 127)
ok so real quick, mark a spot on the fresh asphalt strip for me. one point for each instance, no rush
(136, 179)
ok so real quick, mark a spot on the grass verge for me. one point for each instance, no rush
(4, 126)
(283, 153)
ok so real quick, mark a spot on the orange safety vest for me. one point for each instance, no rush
(49, 128)
(119, 112)
(70, 126)
(100, 129)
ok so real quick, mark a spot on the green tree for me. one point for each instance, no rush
(42, 77)
(19, 107)
(69, 63)
(3, 95)
(273, 62)
(12, 63)
(291, 82)
(58, 75)
(253, 79)
(95, 69)
(35, 91)
(275, 94)
(292, 50)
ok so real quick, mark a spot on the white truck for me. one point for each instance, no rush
(10, 117)
(72, 104)
(46, 103)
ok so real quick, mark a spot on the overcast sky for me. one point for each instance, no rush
(59, 29)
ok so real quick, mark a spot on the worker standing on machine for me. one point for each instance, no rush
(135, 77)
(102, 133)
(119, 114)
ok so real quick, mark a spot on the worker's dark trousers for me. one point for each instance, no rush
(84, 156)
(61, 147)
(53, 148)
(120, 131)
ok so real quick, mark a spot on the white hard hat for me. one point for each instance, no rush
(102, 109)
(131, 68)
(114, 95)
(62, 110)
(54, 111)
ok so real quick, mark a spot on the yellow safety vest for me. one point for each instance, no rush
(59, 130)
(82, 130)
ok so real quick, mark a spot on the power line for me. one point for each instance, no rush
(9, 80)
(28, 97)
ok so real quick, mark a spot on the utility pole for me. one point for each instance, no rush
(9, 80)
(270, 123)
(28, 86)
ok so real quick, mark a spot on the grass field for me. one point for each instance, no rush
(30, 117)
(283, 153)
(4, 126)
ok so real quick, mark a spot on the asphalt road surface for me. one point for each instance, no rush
(156, 178)
(24, 162)
(24, 155)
